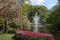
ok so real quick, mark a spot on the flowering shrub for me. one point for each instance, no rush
(27, 35)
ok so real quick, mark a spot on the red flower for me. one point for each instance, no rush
(34, 34)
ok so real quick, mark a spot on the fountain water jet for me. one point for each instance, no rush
(36, 21)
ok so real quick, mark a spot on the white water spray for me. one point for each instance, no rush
(36, 21)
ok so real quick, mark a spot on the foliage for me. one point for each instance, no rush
(42, 11)
(9, 11)
(25, 10)
(11, 31)
(29, 11)
(12, 25)
(1, 24)
(54, 19)
(59, 1)
(26, 23)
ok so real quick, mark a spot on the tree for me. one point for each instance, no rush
(58, 1)
(25, 9)
(42, 11)
(54, 18)
(8, 10)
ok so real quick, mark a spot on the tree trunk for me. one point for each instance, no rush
(5, 29)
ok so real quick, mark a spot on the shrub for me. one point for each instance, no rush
(12, 25)
(11, 31)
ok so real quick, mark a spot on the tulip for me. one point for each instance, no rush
(34, 34)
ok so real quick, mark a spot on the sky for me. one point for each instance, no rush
(48, 3)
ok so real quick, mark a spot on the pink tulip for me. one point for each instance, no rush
(19, 32)
(34, 34)
(48, 36)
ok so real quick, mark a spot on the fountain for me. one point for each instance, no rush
(36, 26)
(36, 21)
(37, 31)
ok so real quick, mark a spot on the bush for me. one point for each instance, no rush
(12, 25)
(11, 31)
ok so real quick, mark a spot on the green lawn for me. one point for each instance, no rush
(6, 36)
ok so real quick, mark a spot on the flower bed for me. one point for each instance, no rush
(27, 35)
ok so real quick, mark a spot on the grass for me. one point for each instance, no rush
(6, 36)
(9, 37)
